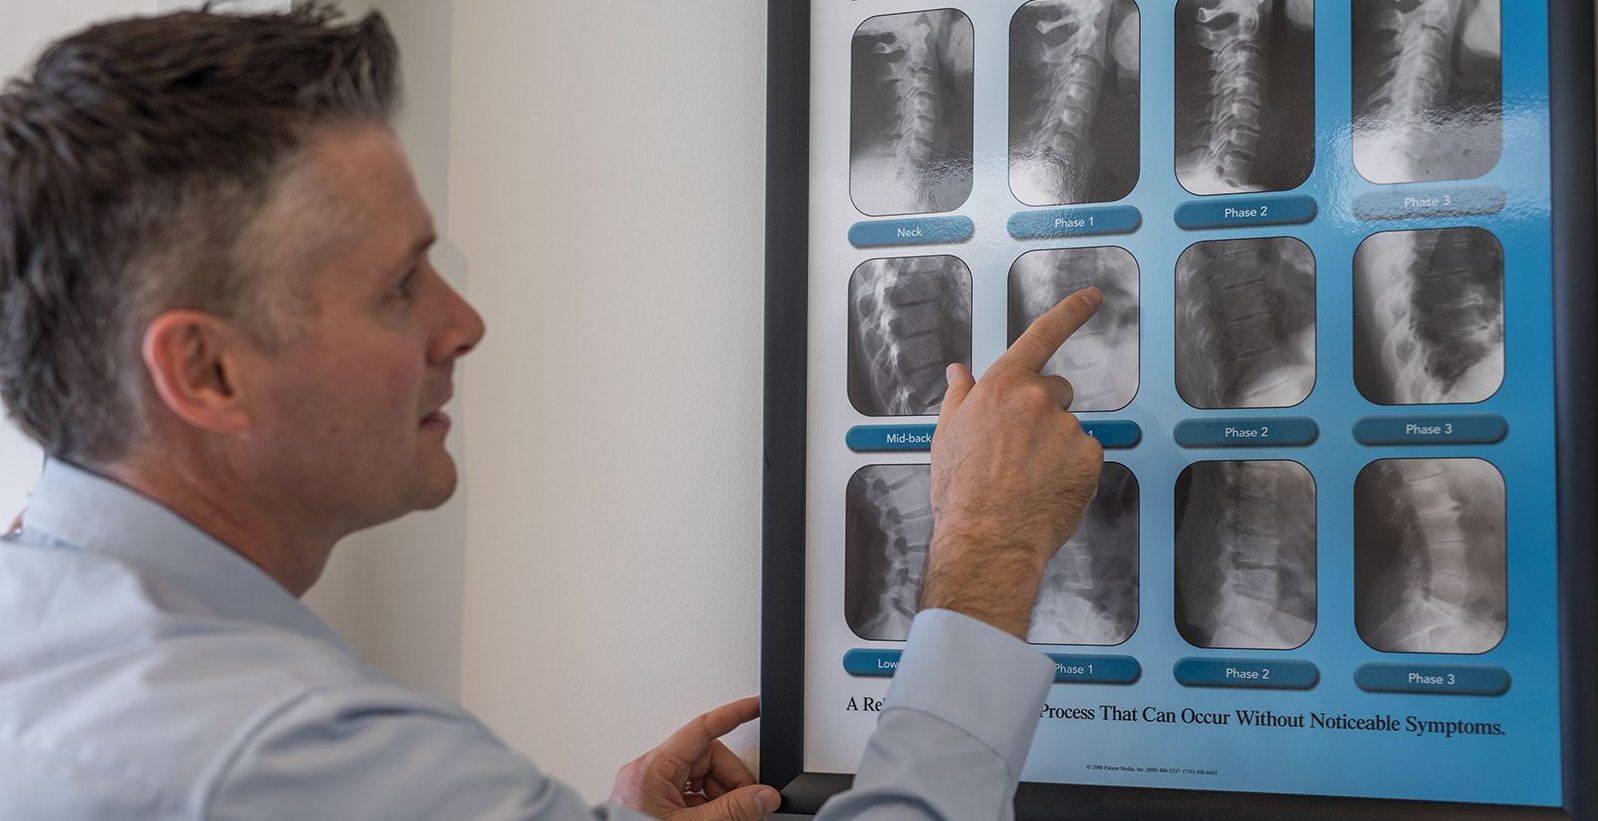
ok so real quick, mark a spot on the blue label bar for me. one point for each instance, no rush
(1075, 222)
(1431, 430)
(1253, 674)
(1258, 432)
(1433, 678)
(887, 438)
(1095, 669)
(871, 663)
(892, 438)
(920, 231)
(1238, 212)
(1114, 435)
(1422, 203)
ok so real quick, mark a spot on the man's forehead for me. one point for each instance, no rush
(348, 192)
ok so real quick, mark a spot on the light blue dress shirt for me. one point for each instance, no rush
(149, 672)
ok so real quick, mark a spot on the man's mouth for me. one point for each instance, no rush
(437, 420)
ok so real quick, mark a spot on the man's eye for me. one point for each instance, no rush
(406, 284)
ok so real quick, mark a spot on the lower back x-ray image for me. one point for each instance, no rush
(1245, 555)
(1429, 556)
(909, 317)
(1101, 358)
(1089, 593)
(1245, 323)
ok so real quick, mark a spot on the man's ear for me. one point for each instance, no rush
(195, 360)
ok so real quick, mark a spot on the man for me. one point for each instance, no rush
(218, 317)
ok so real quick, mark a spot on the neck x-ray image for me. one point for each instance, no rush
(911, 113)
(1428, 89)
(1245, 94)
(1074, 101)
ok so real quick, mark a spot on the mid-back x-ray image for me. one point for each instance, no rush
(1101, 358)
(1428, 89)
(1089, 592)
(909, 318)
(1074, 101)
(1245, 555)
(1429, 556)
(910, 137)
(1245, 323)
(1245, 94)
(1429, 316)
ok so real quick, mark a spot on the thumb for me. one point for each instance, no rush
(960, 384)
(747, 804)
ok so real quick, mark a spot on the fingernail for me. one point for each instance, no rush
(1093, 295)
(950, 374)
(770, 800)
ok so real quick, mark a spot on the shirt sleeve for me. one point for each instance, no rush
(955, 727)
(377, 752)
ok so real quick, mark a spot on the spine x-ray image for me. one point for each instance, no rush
(1429, 556)
(1428, 89)
(1429, 316)
(1100, 359)
(1245, 555)
(910, 137)
(909, 318)
(1089, 592)
(1074, 101)
(1245, 323)
(1245, 94)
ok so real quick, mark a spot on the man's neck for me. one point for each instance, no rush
(224, 508)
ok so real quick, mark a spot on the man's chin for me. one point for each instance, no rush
(439, 487)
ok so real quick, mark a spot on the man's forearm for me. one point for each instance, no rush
(989, 582)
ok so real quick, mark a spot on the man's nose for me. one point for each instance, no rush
(463, 328)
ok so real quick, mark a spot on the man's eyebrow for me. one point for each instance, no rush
(421, 247)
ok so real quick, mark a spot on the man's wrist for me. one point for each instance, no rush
(990, 581)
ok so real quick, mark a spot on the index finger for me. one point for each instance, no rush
(1048, 332)
(716, 723)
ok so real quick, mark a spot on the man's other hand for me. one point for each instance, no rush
(694, 777)
(1012, 474)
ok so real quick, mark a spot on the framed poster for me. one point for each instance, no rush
(1342, 562)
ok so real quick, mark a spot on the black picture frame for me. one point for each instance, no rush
(1575, 255)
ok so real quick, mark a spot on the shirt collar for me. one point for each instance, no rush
(83, 510)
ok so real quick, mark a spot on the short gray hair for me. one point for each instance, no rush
(132, 157)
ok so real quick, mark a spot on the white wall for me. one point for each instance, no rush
(607, 189)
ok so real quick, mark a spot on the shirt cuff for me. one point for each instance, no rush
(977, 677)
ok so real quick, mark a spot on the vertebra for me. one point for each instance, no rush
(1246, 323)
(1446, 591)
(1246, 555)
(892, 508)
(1436, 298)
(911, 318)
(1100, 359)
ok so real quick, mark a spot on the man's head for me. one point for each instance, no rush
(211, 245)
